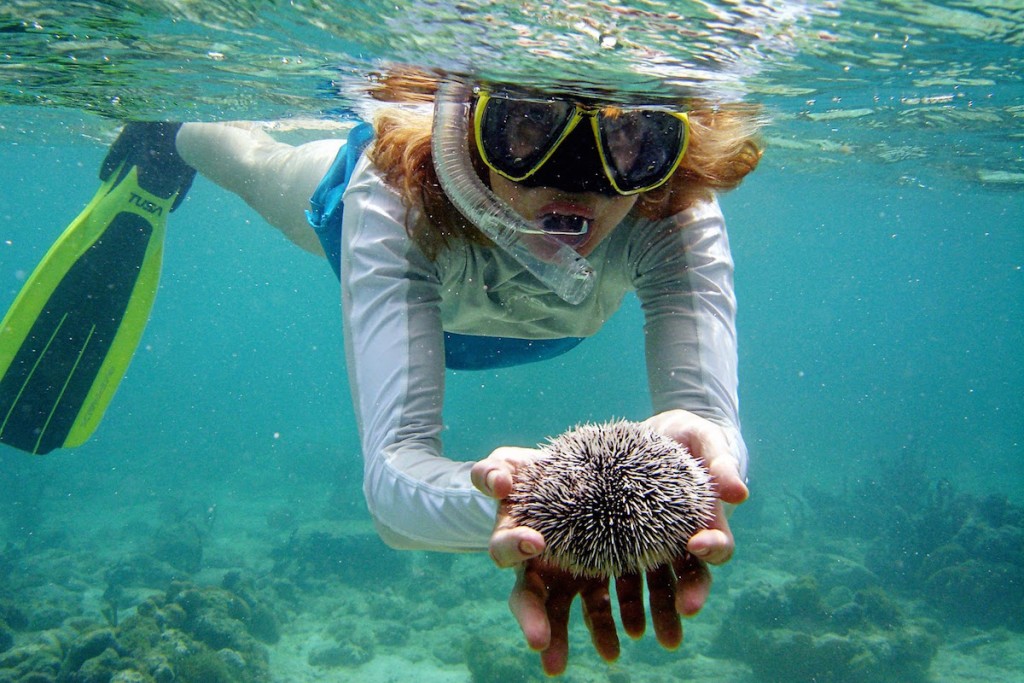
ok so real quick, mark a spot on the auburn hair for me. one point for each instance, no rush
(724, 147)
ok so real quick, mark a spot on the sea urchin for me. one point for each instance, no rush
(612, 499)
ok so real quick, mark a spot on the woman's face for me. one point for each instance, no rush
(601, 213)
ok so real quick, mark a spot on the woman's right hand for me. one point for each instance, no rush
(543, 594)
(510, 544)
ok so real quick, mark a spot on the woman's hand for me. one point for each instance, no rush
(708, 443)
(510, 544)
(543, 594)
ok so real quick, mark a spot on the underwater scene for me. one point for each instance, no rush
(213, 527)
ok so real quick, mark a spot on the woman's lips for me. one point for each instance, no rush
(565, 208)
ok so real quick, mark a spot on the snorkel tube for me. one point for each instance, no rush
(554, 263)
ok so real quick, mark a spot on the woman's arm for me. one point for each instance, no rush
(395, 352)
(684, 279)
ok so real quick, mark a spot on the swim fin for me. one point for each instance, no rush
(71, 332)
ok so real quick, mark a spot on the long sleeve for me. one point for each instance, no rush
(684, 279)
(395, 351)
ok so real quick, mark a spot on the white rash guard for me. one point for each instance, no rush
(397, 305)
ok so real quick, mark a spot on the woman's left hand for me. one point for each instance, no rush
(707, 442)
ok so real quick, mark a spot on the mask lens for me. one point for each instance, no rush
(641, 147)
(516, 135)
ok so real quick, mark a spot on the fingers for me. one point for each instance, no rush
(707, 442)
(597, 614)
(512, 546)
(728, 484)
(555, 657)
(712, 546)
(630, 589)
(491, 477)
(542, 597)
(661, 583)
(693, 585)
(528, 608)
(494, 474)
(716, 543)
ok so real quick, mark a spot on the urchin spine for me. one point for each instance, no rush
(613, 499)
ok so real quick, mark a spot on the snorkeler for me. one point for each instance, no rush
(506, 228)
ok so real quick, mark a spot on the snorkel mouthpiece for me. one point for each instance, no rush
(551, 261)
(559, 224)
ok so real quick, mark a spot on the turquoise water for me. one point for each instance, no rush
(879, 251)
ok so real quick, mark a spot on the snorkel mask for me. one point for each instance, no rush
(551, 261)
(576, 147)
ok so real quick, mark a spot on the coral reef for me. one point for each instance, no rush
(500, 661)
(180, 545)
(348, 653)
(180, 539)
(160, 594)
(191, 633)
(790, 633)
(954, 551)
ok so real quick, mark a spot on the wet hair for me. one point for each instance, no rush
(724, 147)
(401, 152)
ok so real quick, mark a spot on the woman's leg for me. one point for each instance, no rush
(274, 178)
